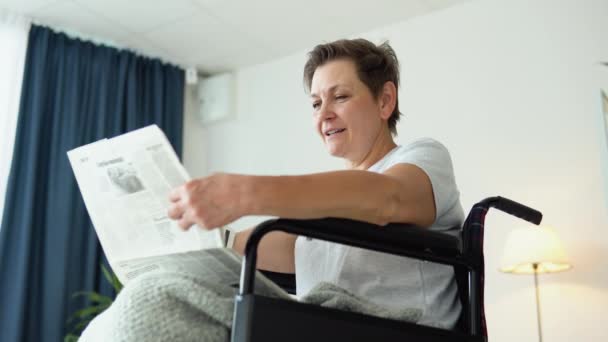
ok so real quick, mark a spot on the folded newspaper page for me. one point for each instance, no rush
(125, 183)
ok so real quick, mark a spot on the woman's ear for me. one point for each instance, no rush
(388, 100)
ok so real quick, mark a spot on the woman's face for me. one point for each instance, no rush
(346, 114)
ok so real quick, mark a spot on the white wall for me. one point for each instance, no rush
(511, 87)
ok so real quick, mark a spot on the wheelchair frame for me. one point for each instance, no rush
(259, 318)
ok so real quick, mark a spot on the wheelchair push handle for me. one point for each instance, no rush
(516, 209)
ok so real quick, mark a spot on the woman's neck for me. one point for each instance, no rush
(381, 147)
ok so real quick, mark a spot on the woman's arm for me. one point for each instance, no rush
(403, 193)
(275, 251)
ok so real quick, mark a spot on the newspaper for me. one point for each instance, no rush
(125, 183)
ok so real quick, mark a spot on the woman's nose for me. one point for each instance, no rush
(326, 113)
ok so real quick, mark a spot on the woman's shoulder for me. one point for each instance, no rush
(421, 152)
(425, 142)
(426, 146)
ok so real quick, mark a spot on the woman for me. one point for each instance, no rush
(353, 92)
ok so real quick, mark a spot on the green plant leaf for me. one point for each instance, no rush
(88, 312)
(82, 325)
(111, 278)
(94, 297)
(70, 338)
(116, 284)
(100, 303)
(91, 310)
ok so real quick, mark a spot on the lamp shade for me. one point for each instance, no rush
(533, 246)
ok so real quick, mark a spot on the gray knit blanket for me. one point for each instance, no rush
(178, 307)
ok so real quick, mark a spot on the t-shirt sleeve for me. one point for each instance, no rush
(434, 159)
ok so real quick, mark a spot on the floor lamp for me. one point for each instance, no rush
(534, 250)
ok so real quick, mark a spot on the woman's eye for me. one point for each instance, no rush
(316, 105)
(341, 97)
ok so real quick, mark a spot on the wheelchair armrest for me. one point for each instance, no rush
(394, 238)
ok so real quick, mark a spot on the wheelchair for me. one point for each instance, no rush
(259, 318)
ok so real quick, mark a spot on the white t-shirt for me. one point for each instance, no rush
(389, 280)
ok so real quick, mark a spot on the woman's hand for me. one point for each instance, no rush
(209, 202)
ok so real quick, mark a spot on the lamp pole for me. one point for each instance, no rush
(540, 329)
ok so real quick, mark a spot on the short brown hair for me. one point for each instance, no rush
(376, 65)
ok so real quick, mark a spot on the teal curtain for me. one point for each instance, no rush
(74, 92)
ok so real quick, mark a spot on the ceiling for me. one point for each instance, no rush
(219, 35)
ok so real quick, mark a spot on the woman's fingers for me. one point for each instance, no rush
(188, 219)
(175, 211)
(184, 223)
(176, 194)
(206, 202)
(181, 207)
